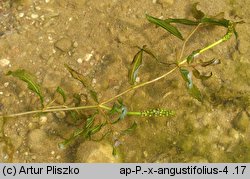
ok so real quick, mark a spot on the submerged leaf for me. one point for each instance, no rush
(182, 21)
(119, 108)
(195, 93)
(186, 75)
(198, 75)
(211, 62)
(130, 129)
(26, 77)
(190, 58)
(192, 89)
(197, 14)
(136, 64)
(95, 129)
(162, 23)
(61, 92)
(214, 21)
(145, 49)
(85, 82)
(90, 121)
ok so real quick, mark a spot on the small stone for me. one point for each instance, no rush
(80, 60)
(94, 81)
(21, 14)
(52, 152)
(38, 8)
(89, 56)
(137, 80)
(43, 119)
(6, 84)
(168, 1)
(75, 44)
(60, 114)
(34, 16)
(4, 62)
(64, 44)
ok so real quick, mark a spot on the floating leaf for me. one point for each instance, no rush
(85, 82)
(197, 14)
(130, 129)
(61, 92)
(26, 77)
(190, 58)
(171, 29)
(211, 62)
(192, 89)
(182, 21)
(198, 75)
(136, 64)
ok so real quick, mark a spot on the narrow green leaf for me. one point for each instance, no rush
(186, 75)
(90, 121)
(102, 137)
(171, 29)
(120, 109)
(130, 129)
(190, 58)
(192, 89)
(136, 64)
(211, 62)
(198, 75)
(85, 82)
(115, 109)
(195, 93)
(214, 21)
(96, 129)
(74, 115)
(77, 99)
(182, 21)
(29, 79)
(62, 93)
(145, 49)
(93, 95)
(197, 14)
(114, 152)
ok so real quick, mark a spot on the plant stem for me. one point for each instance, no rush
(187, 39)
(50, 110)
(101, 105)
(139, 85)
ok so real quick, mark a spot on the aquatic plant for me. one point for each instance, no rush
(112, 114)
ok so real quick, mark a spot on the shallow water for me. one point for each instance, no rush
(98, 39)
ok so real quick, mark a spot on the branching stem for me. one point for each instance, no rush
(102, 104)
